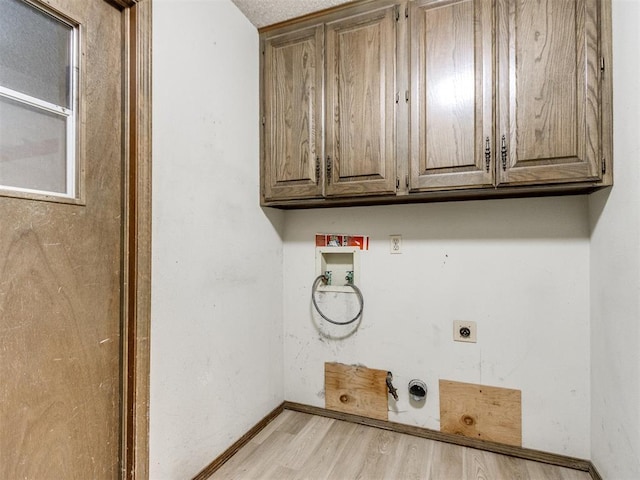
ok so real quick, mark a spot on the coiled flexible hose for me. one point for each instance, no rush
(314, 288)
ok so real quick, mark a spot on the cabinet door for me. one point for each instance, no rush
(548, 91)
(360, 120)
(451, 94)
(292, 136)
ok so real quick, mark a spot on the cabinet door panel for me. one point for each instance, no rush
(549, 90)
(360, 104)
(451, 87)
(293, 68)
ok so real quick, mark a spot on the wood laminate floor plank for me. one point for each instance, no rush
(413, 460)
(446, 461)
(268, 452)
(379, 456)
(296, 423)
(513, 468)
(351, 461)
(306, 442)
(285, 422)
(478, 464)
(325, 456)
(300, 446)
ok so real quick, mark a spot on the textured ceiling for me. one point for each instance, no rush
(267, 12)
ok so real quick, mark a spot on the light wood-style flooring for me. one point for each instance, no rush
(302, 446)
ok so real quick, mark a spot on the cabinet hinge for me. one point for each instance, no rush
(604, 165)
(264, 121)
(397, 13)
(406, 96)
(397, 183)
(406, 180)
(602, 64)
(397, 97)
(406, 11)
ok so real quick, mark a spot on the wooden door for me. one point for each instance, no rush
(360, 96)
(548, 93)
(61, 273)
(292, 138)
(451, 139)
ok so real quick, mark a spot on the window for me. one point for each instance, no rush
(38, 101)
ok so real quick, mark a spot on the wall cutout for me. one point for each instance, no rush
(482, 412)
(340, 240)
(356, 389)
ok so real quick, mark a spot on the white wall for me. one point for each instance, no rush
(615, 270)
(216, 352)
(519, 268)
(526, 270)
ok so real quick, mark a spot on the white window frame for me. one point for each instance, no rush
(69, 114)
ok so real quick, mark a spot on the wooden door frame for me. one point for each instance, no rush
(136, 278)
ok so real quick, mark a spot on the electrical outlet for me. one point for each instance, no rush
(465, 331)
(395, 243)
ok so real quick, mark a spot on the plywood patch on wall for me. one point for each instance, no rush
(479, 411)
(356, 389)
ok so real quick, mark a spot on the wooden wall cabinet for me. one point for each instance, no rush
(346, 65)
(383, 102)
(451, 67)
(292, 90)
(549, 69)
(360, 92)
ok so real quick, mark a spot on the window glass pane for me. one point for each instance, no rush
(35, 53)
(32, 148)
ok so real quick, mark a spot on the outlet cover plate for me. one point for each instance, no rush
(395, 244)
(465, 331)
